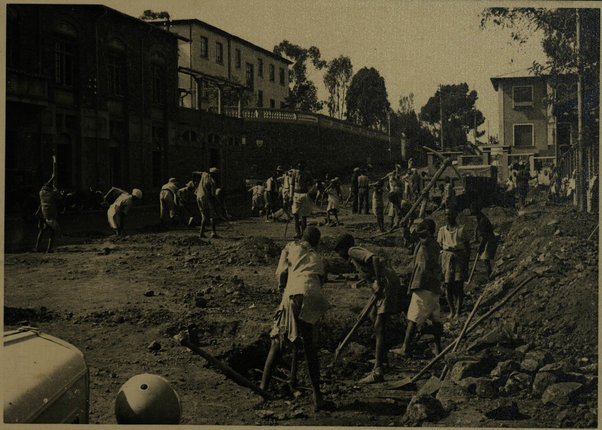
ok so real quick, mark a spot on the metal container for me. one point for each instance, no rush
(44, 380)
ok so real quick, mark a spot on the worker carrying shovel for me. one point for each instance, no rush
(425, 287)
(387, 289)
(300, 275)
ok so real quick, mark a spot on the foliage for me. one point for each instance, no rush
(366, 98)
(304, 95)
(457, 104)
(406, 103)
(559, 45)
(336, 79)
(148, 15)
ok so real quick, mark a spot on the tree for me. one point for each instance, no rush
(406, 103)
(304, 94)
(338, 75)
(149, 15)
(366, 98)
(460, 115)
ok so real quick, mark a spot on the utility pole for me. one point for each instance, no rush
(580, 180)
(441, 115)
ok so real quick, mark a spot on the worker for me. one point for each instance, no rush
(186, 204)
(206, 200)
(257, 198)
(353, 189)
(448, 199)
(333, 191)
(303, 184)
(271, 195)
(47, 214)
(168, 200)
(387, 289)
(395, 195)
(425, 288)
(285, 189)
(488, 239)
(363, 183)
(121, 207)
(378, 208)
(522, 184)
(455, 249)
(300, 275)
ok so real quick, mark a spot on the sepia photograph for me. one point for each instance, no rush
(341, 213)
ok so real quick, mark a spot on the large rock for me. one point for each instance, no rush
(542, 381)
(422, 407)
(485, 388)
(450, 394)
(540, 357)
(466, 368)
(505, 368)
(517, 382)
(561, 394)
(430, 387)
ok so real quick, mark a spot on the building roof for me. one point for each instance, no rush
(517, 74)
(229, 35)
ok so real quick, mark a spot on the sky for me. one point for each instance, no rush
(414, 45)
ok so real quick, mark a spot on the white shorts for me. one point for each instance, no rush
(424, 305)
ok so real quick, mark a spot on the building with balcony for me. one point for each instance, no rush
(218, 70)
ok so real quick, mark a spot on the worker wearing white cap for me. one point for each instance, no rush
(206, 199)
(120, 207)
(168, 200)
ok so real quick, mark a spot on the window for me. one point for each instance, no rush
(522, 96)
(219, 53)
(249, 76)
(272, 103)
(237, 59)
(158, 89)
(116, 74)
(260, 67)
(281, 76)
(204, 45)
(272, 73)
(523, 135)
(259, 98)
(64, 62)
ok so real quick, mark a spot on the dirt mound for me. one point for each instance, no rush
(558, 309)
(252, 250)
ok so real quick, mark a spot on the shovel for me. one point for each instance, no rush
(360, 318)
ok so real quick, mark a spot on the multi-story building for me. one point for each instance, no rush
(218, 69)
(94, 87)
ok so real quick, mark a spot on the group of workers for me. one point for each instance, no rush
(440, 259)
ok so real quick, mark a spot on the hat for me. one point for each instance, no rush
(213, 170)
(137, 193)
(357, 169)
(172, 180)
(279, 169)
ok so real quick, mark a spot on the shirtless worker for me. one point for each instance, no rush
(455, 250)
(120, 208)
(47, 214)
(206, 200)
(300, 275)
(425, 287)
(168, 200)
(387, 288)
(302, 184)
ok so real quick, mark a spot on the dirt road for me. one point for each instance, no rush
(114, 297)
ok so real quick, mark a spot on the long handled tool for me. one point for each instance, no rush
(463, 332)
(409, 382)
(360, 318)
(592, 233)
(423, 194)
(184, 339)
(476, 258)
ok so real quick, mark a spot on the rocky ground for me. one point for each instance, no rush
(534, 363)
